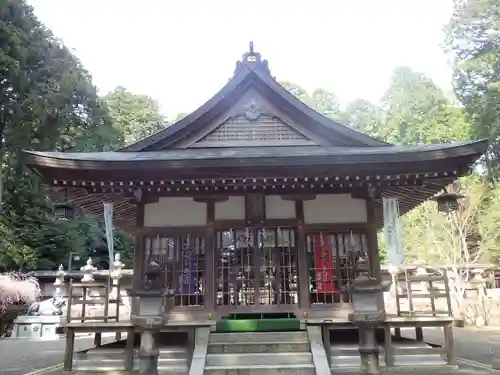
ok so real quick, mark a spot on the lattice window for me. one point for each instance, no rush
(256, 266)
(331, 258)
(240, 129)
(183, 261)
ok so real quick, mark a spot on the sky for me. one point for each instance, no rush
(181, 52)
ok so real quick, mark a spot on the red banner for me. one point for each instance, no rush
(324, 264)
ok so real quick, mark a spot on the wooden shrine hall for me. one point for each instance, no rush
(255, 202)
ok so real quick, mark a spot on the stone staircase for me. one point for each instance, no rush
(345, 356)
(173, 360)
(259, 353)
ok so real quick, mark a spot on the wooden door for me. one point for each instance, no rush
(256, 270)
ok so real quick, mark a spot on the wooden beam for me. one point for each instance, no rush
(371, 236)
(302, 257)
(210, 257)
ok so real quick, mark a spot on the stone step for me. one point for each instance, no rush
(262, 337)
(248, 359)
(119, 365)
(112, 359)
(118, 353)
(341, 361)
(347, 355)
(260, 370)
(258, 347)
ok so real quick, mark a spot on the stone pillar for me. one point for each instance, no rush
(480, 318)
(151, 316)
(368, 314)
(149, 352)
(59, 283)
(88, 278)
(116, 274)
(424, 284)
(88, 272)
(394, 289)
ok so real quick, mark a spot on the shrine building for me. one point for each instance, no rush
(255, 202)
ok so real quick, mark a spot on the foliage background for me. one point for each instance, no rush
(48, 102)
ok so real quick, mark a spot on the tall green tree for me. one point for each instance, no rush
(298, 91)
(473, 38)
(365, 117)
(47, 102)
(418, 112)
(325, 102)
(137, 116)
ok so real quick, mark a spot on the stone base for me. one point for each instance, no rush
(37, 327)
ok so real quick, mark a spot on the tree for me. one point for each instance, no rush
(47, 102)
(322, 100)
(298, 92)
(418, 112)
(474, 40)
(365, 117)
(455, 239)
(326, 103)
(137, 116)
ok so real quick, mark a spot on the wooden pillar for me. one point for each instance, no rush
(129, 349)
(371, 236)
(302, 256)
(449, 344)
(68, 351)
(138, 253)
(210, 248)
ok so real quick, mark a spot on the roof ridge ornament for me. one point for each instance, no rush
(252, 58)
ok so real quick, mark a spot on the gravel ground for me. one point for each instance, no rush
(19, 357)
(474, 344)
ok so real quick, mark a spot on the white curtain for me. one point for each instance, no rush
(392, 231)
(108, 225)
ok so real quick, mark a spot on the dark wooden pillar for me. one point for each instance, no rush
(302, 256)
(138, 251)
(371, 236)
(255, 208)
(210, 248)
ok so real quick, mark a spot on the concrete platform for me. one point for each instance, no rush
(37, 327)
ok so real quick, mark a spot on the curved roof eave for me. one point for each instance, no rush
(180, 158)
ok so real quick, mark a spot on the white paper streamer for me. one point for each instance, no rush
(108, 225)
(392, 231)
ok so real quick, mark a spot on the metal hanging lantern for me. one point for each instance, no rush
(447, 202)
(63, 210)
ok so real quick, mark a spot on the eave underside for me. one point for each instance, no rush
(413, 174)
(410, 192)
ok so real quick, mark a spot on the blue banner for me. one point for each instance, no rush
(189, 272)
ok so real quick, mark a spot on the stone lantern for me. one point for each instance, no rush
(368, 313)
(59, 282)
(154, 303)
(116, 274)
(88, 271)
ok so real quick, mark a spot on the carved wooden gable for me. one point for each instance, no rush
(239, 131)
(252, 125)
